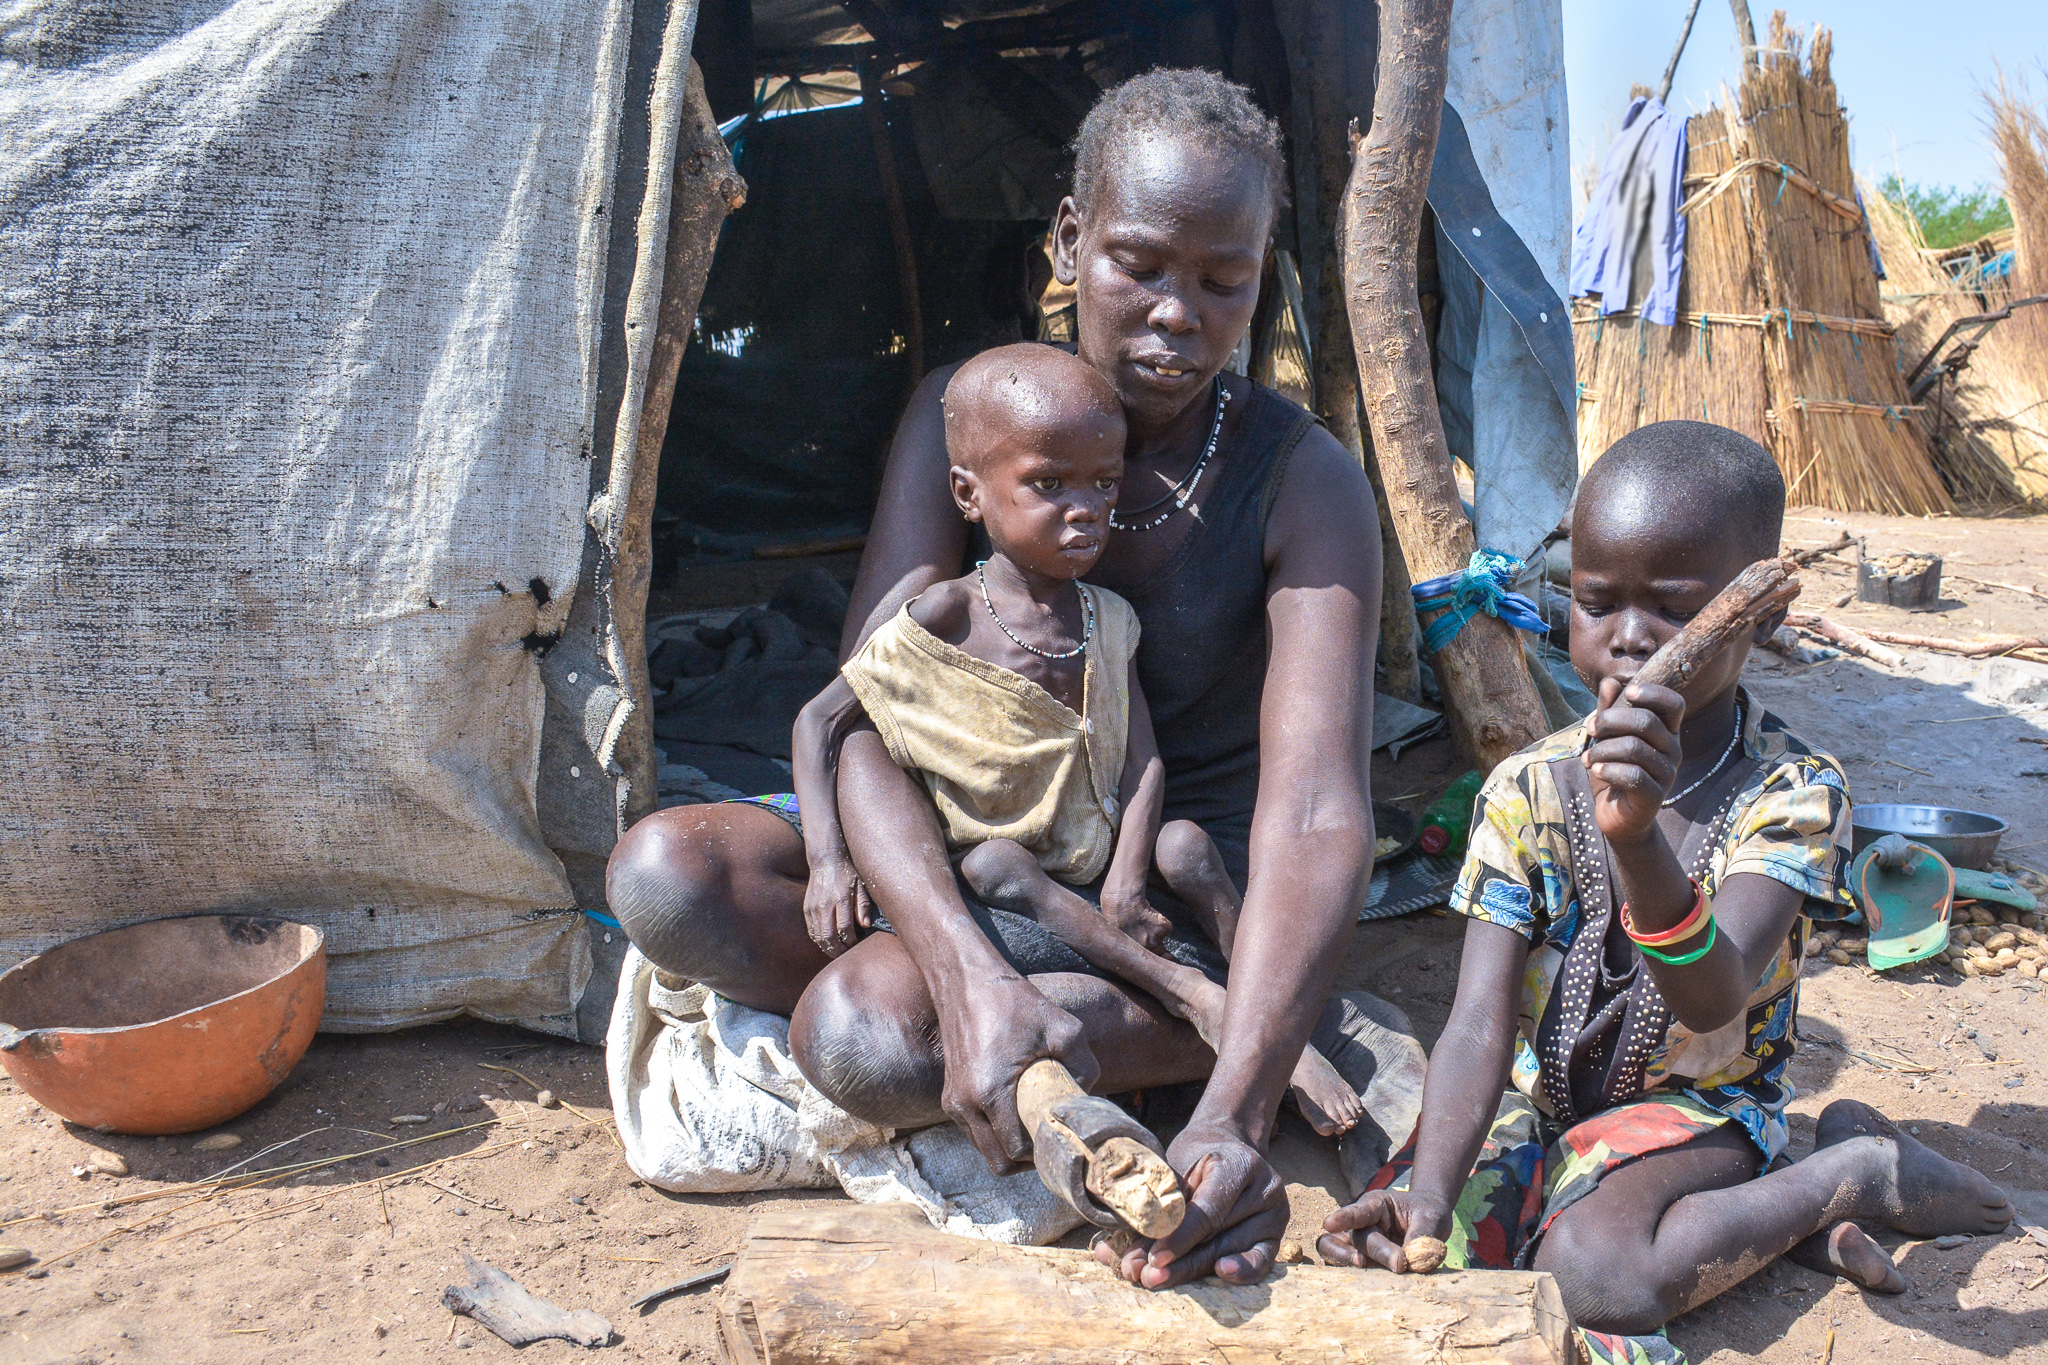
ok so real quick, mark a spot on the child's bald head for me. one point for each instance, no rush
(1027, 395)
(1036, 440)
(1690, 482)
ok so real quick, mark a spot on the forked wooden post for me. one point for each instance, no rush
(1485, 682)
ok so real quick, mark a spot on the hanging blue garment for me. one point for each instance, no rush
(1630, 247)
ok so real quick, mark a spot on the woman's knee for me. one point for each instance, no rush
(859, 1037)
(670, 885)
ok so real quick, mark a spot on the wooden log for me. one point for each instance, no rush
(1846, 639)
(1486, 686)
(1984, 647)
(1126, 1177)
(833, 1284)
(1767, 586)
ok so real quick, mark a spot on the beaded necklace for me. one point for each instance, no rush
(1181, 492)
(1733, 739)
(1087, 628)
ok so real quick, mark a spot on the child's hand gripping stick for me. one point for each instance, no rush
(1765, 587)
(1102, 1162)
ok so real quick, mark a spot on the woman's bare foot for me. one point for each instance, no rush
(1847, 1250)
(1913, 1189)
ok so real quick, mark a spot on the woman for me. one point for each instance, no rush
(1248, 543)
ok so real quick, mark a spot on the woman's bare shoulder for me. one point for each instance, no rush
(1323, 489)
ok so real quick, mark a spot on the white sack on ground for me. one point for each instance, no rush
(708, 1101)
(301, 305)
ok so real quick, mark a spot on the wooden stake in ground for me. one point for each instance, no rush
(842, 1283)
(1486, 686)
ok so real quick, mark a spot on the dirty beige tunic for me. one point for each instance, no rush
(1003, 758)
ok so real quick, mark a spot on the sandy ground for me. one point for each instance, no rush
(345, 1261)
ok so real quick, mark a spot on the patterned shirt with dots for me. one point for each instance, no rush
(1790, 821)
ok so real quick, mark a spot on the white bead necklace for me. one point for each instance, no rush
(1087, 628)
(1182, 492)
(1733, 740)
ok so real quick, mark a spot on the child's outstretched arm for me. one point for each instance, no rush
(1141, 795)
(1468, 1073)
(1707, 976)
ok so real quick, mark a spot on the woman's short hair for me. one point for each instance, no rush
(1188, 102)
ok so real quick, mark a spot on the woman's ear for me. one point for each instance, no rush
(966, 492)
(1066, 242)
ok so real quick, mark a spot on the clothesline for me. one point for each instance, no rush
(1787, 175)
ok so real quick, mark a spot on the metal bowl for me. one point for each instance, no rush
(1966, 838)
(168, 1026)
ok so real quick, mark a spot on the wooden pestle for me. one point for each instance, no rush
(1128, 1178)
(1767, 586)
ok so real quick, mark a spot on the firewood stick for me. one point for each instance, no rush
(1486, 685)
(1846, 639)
(1128, 1178)
(1981, 648)
(839, 1283)
(1767, 586)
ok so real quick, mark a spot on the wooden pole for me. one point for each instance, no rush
(1684, 32)
(899, 220)
(1314, 31)
(839, 1283)
(1745, 34)
(1485, 683)
(706, 189)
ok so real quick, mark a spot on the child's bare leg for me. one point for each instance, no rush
(1006, 876)
(1193, 870)
(1671, 1231)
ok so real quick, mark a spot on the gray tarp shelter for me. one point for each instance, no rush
(335, 376)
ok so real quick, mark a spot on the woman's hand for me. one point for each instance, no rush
(1130, 912)
(1632, 756)
(1373, 1229)
(1237, 1209)
(836, 905)
(991, 1031)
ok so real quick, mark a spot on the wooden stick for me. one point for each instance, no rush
(1671, 69)
(1486, 685)
(1745, 33)
(1764, 587)
(1983, 647)
(899, 221)
(1129, 1179)
(838, 1283)
(1846, 639)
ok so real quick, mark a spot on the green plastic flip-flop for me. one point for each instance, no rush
(1906, 891)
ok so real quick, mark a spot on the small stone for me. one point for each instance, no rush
(381, 1161)
(14, 1257)
(546, 1100)
(408, 1118)
(107, 1163)
(41, 1272)
(219, 1142)
(1951, 1241)
(1424, 1254)
(378, 1329)
(439, 1109)
(2014, 1082)
(463, 1343)
(1291, 1252)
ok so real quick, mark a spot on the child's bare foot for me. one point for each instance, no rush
(1846, 1250)
(1327, 1100)
(1913, 1189)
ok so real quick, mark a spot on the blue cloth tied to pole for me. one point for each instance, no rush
(1482, 585)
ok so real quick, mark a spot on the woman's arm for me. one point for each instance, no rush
(1142, 796)
(917, 536)
(1467, 1075)
(1311, 857)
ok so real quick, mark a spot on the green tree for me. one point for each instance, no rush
(1949, 216)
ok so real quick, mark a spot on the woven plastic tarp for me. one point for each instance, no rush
(298, 377)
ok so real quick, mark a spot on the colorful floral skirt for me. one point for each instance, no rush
(1530, 1171)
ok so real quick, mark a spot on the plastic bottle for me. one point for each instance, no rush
(1449, 818)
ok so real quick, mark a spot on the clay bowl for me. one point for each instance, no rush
(165, 1027)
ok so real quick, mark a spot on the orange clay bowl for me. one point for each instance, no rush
(164, 1027)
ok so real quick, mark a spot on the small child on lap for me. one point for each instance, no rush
(1640, 890)
(1013, 694)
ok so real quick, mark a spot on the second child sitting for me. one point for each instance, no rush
(1012, 694)
(1640, 889)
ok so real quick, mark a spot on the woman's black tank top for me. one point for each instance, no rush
(1202, 651)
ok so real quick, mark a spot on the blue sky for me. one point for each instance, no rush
(1908, 73)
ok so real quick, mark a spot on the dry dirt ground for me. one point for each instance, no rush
(345, 1259)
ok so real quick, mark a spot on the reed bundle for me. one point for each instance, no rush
(1781, 332)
